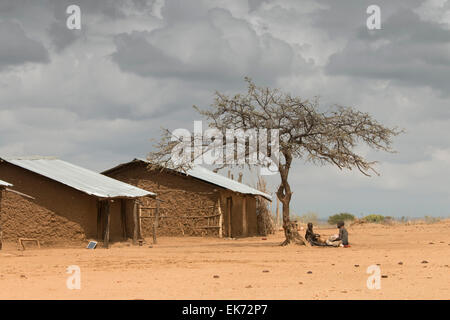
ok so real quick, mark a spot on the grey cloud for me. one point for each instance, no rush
(92, 13)
(111, 8)
(407, 49)
(175, 11)
(342, 18)
(100, 102)
(407, 27)
(136, 54)
(204, 45)
(61, 36)
(17, 48)
(255, 4)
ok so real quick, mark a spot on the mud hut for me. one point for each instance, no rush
(198, 202)
(58, 201)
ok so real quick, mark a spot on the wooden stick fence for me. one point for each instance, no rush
(157, 216)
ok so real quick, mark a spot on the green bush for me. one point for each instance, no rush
(374, 218)
(334, 219)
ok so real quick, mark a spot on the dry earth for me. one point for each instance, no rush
(252, 268)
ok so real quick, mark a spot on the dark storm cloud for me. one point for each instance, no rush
(61, 36)
(17, 48)
(110, 8)
(255, 4)
(138, 65)
(407, 49)
(91, 11)
(200, 44)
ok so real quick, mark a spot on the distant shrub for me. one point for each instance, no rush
(389, 220)
(334, 219)
(309, 217)
(429, 219)
(374, 218)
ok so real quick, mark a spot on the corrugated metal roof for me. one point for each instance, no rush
(5, 184)
(204, 174)
(79, 178)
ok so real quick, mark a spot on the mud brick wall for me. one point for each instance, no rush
(183, 198)
(58, 212)
(22, 218)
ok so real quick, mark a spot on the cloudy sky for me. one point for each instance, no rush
(96, 96)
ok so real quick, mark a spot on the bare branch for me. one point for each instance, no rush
(305, 131)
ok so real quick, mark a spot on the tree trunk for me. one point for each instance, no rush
(277, 221)
(284, 193)
(290, 228)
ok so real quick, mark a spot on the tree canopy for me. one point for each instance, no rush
(305, 132)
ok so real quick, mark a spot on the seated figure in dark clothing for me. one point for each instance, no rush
(342, 239)
(313, 238)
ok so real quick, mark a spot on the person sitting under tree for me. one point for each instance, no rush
(313, 238)
(342, 239)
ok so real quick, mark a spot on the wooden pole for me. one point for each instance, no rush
(107, 224)
(99, 220)
(20, 194)
(140, 221)
(123, 213)
(135, 222)
(244, 217)
(229, 213)
(1, 231)
(220, 218)
(155, 223)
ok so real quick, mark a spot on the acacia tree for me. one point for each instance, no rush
(305, 132)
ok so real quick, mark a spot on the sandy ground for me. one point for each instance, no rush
(252, 268)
